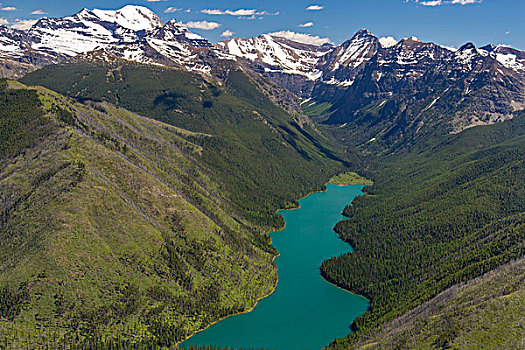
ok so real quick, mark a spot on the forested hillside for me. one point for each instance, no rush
(432, 219)
(116, 231)
(261, 155)
(484, 313)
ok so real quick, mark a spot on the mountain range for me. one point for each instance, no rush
(365, 81)
(141, 166)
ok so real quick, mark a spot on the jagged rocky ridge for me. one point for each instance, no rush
(397, 91)
(391, 91)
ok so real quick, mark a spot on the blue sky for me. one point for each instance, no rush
(447, 22)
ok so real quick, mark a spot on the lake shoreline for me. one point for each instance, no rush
(283, 226)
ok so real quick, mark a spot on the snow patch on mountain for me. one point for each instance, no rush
(387, 42)
(511, 61)
(278, 54)
(302, 38)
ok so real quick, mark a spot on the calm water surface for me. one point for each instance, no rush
(305, 311)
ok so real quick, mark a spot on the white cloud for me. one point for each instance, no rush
(314, 8)
(245, 13)
(175, 9)
(306, 25)
(507, 32)
(3, 21)
(8, 8)
(241, 12)
(302, 38)
(387, 41)
(204, 25)
(23, 24)
(465, 2)
(213, 12)
(227, 33)
(39, 12)
(433, 3)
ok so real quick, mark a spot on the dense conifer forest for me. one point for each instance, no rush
(433, 219)
(118, 231)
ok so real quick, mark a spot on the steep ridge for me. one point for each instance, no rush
(414, 90)
(110, 226)
(343, 63)
(124, 229)
(396, 95)
(340, 68)
(89, 30)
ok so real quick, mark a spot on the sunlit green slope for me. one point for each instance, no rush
(119, 229)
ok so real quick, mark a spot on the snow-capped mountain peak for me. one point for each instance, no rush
(356, 50)
(132, 32)
(467, 54)
(175, 31)
(342, 64)
(136, 18)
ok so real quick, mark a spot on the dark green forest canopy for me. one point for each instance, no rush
(262, 155)
(433, 219)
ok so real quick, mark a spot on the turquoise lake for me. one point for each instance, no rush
(305, 311)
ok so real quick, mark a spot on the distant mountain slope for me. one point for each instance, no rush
(262, 156)
(415, 90)
(397, 95)
(290, 63)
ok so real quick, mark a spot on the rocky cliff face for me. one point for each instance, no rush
(291, 64)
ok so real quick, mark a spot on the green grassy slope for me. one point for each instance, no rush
(116, 230)
(261, 155)
(433, 219)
